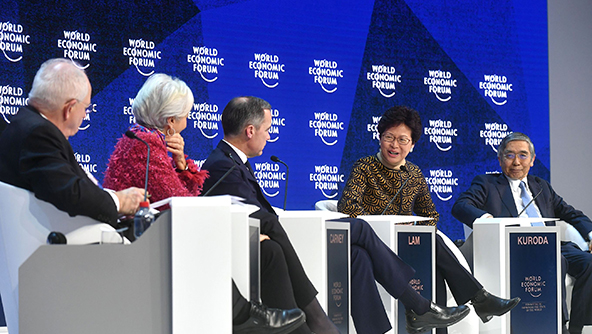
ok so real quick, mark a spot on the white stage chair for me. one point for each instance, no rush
(25, 223)
(173, 290)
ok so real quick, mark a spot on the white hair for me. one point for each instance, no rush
(161, 97)
(58, 81)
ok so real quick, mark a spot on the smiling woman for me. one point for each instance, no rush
(374, 180)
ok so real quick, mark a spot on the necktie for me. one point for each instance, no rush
(530, 210)
(249, 168)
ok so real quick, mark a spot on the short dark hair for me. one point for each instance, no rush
(514, 136)
(242, 111)
(401, 115)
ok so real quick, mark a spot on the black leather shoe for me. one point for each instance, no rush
(487, 305)
(266, 320)
(436, 317)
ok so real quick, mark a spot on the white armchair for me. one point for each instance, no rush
(25, 223)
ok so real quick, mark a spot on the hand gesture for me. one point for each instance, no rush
(176, 145)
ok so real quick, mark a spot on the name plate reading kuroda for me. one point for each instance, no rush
(338, 278)
(415, 248)
(534, 277)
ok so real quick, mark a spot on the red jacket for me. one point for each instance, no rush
(127, 168)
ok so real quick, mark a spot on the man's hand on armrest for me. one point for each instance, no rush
(129, 200)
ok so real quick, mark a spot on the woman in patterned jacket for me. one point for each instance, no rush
(386, 183)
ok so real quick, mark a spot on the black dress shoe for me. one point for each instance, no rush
(266, 320)
(436, 317)
(487, 305)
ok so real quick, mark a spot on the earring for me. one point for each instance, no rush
(169, 129)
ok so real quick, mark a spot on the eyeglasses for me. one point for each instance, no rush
(388, 138)
(512, 156)
(89, 108)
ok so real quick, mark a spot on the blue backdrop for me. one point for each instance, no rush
(475, 70)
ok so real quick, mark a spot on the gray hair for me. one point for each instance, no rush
(58, 81)
(514, 136)
(241, 112)
(161, 97)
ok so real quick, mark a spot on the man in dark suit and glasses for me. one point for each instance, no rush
(507, 194)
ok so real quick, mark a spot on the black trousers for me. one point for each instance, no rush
(302, 289)
(373, 261)
(284, 284)
(239, 303)
(463, 285)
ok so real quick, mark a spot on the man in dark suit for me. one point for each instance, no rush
(501, 195)
(284, 283)
(35, 155)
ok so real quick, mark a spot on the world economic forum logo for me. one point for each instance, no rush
(206, 61)
(441, 133)
(327, 126)
(493, 133)
(384, 79)
(206, 118)
(142, 55)
(440, 83)
(12, 40)
(267, 68)
(442, 183)
(327, 179)
(11, 99)
(77, 47)
(534, 285)
(496, 87)
(326, 73)
(270, 177)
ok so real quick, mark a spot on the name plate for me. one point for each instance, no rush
(415, 248)
(535, 278)
(338, 278)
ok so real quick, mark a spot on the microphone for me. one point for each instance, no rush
(276, 159)
(529, 203)
(403, 169)
(228, 154)
(132, 135)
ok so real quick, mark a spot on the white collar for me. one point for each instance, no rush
(238, 152)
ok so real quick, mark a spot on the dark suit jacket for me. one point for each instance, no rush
(2, 125)
(240, 181)
(35, 155)
(491, 193)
